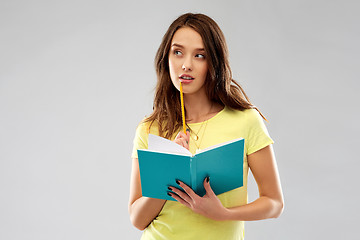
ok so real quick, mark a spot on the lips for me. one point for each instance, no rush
(185, 78)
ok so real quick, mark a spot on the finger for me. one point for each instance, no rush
(187, 189)
(180, 142)
(188, 133)
(185, 136)
(179, 199)
(183, 140)
(186, 144)
(180, 135)
(207, 187)
(181, 194)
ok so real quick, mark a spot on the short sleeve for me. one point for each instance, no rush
(140, 139)
(258, 135)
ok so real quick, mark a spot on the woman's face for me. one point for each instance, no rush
(187, 61)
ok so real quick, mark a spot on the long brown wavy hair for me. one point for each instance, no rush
(220, 87)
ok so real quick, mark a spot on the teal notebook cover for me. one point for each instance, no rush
(165, 161)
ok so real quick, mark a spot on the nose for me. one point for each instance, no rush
(187, 64)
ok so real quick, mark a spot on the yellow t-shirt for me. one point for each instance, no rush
(176, 221)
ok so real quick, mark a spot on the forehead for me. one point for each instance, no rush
(188, 38)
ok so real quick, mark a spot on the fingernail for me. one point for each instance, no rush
(169, 194)
(207, 179)
(170, 188)
(188, 130)
(178, 182)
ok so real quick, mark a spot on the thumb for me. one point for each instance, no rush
(208, 188)
(188, 134)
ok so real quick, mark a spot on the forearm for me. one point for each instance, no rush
(262, 208)
(270, 203)
(144, 210)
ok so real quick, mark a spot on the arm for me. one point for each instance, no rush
(269, 204)
(142, 210)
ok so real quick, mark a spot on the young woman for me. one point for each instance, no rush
(193, 51)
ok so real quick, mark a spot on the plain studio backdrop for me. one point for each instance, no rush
(76, 77)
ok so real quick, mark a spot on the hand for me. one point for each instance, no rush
(209, 205)
(183, 139)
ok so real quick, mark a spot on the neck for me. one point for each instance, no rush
(199, 108)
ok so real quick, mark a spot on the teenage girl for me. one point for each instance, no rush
(193, 51)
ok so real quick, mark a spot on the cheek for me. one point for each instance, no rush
(172, 66)
(204, 70)
(172, 72)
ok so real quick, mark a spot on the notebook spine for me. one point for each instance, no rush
(193, 173)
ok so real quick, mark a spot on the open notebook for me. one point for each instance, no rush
(165, 161)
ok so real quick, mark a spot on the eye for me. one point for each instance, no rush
(200, 55)
(177, 52)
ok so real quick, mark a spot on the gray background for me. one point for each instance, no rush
(77, 76)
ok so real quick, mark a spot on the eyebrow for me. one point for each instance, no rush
(181, 46)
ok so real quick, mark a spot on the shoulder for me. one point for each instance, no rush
(145, 127)
(251, 115)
